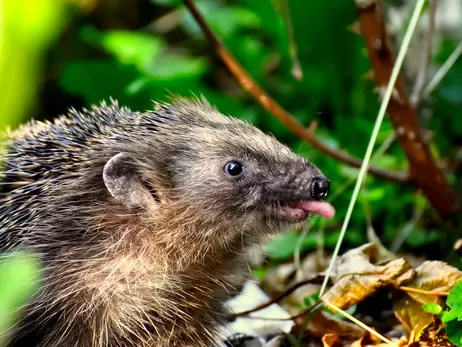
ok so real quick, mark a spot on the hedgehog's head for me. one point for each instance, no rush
(218, 171)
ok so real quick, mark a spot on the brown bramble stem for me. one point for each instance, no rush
(424, 170)
(265, 100)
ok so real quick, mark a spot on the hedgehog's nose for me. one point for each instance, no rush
(320, 187)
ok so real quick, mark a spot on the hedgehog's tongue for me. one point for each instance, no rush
(321, 208)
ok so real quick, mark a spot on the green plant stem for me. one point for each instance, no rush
(383, 107)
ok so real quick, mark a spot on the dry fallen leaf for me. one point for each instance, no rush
(357, 276)
(431, 276)
(410, 313)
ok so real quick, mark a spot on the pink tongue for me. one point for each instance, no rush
(321, 208)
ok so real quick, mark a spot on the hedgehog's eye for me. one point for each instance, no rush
(233, 168)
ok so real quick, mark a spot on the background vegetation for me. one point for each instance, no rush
(306, 54)
(140, 51)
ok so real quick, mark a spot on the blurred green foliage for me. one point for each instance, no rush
(26, 29)
(19, 277)
(139, 51)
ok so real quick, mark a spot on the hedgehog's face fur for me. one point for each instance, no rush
(220, 173)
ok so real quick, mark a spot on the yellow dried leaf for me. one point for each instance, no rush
(358, 277)
(433, 276)
(409, 312)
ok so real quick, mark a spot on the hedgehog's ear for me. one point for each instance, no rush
(124, 183)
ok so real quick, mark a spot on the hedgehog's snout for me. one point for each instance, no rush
(320, 187)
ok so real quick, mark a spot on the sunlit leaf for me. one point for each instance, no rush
(432, 308)
(128, 47)
(357, 276)
(454, 301)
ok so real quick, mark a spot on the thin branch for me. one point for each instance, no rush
(314, 279)
(439, 75)
(303, 313)
(421, 80)
(278, 111)
(424, 170)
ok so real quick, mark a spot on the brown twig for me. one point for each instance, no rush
(422, 76)
(424, 170)
(303, 313)
(265, 100)
(314, 279)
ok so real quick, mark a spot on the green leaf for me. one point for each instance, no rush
(174, 67)
(454, 332)
(128, 47)
(432, 308)
(453, 318)
(454, 301)
(450, 316)
(311, 299)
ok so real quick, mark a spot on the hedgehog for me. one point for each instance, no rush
(141, 220)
